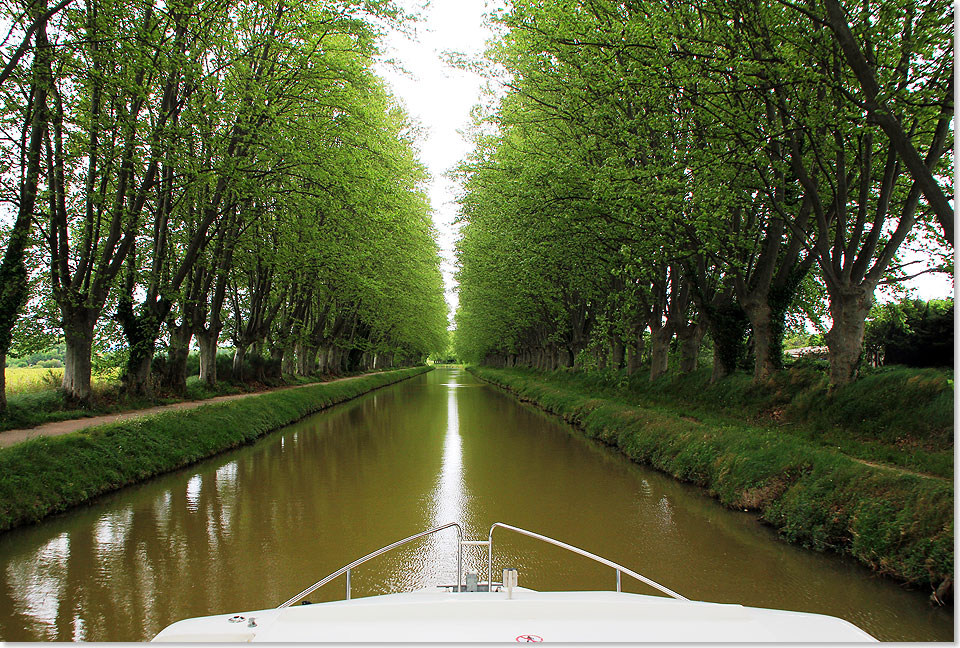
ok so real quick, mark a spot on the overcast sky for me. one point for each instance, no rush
(440, 97)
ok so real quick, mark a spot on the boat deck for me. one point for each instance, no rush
(587, 617)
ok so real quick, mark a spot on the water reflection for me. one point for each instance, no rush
(110, 531)
(450, 497)
(79, 629)
(193, 493)
(35, 582)
(449, 500)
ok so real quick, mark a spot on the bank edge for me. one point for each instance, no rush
(896, 523)
(47, 475)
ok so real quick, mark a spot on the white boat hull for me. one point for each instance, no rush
(584, 617)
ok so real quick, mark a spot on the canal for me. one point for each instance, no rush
(252, 527)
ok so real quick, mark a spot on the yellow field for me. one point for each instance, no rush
(25, 380)
(30, 379)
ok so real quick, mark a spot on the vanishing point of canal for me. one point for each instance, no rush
(250, 528)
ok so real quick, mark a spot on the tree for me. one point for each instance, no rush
(14, 283)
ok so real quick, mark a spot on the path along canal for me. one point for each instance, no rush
(250, 528)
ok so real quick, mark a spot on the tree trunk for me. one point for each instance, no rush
(690, 337)
(564, 357)
(14, 285)
(3, 381)
(287, 361)
(333, 361)
(277, 355)
(720, 368)
(633, 359)
(141, 332)
(322, 363)
(239, 355)
(765, 363)
(601, 356)
(136, 379)
(306, 359)
(617, 352)
(175, 374)
(728, 326)
(845, 338)
(78, 337)
(659, 350)
(259, 363)
(635, 356)
(208, 357)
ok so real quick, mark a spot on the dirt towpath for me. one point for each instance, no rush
(11, 437)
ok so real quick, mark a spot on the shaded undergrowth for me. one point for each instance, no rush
(50, 474)
(898, 523)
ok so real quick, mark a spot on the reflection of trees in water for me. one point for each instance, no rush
(34, 584)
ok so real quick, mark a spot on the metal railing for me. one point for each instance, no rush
(359, 561)
(461, 543)
(576, 550)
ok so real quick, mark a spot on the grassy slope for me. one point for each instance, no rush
(899, 416)
(898, 523)
(47, 475)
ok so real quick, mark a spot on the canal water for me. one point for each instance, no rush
(252, 527)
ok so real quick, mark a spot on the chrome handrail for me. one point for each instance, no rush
(576, 550)
(346, 568)
(489, 544)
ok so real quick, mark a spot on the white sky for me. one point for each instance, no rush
(439, 97)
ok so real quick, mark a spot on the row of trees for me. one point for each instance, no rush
(199, 171)
(666, 169)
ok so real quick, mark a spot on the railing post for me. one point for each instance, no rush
(459, 558)
(618, 580)
(348, 584)
(490, 563)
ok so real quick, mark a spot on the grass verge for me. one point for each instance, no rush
(895, 415)
(51, 474)
(899, 524)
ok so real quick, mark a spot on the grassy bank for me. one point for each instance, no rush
(898, 523)
(47, 475)
(894, 415)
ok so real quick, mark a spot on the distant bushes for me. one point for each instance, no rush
(40, 359)
(897, 523)
(51, 474)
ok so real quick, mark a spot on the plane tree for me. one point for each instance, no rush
(23, 161)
